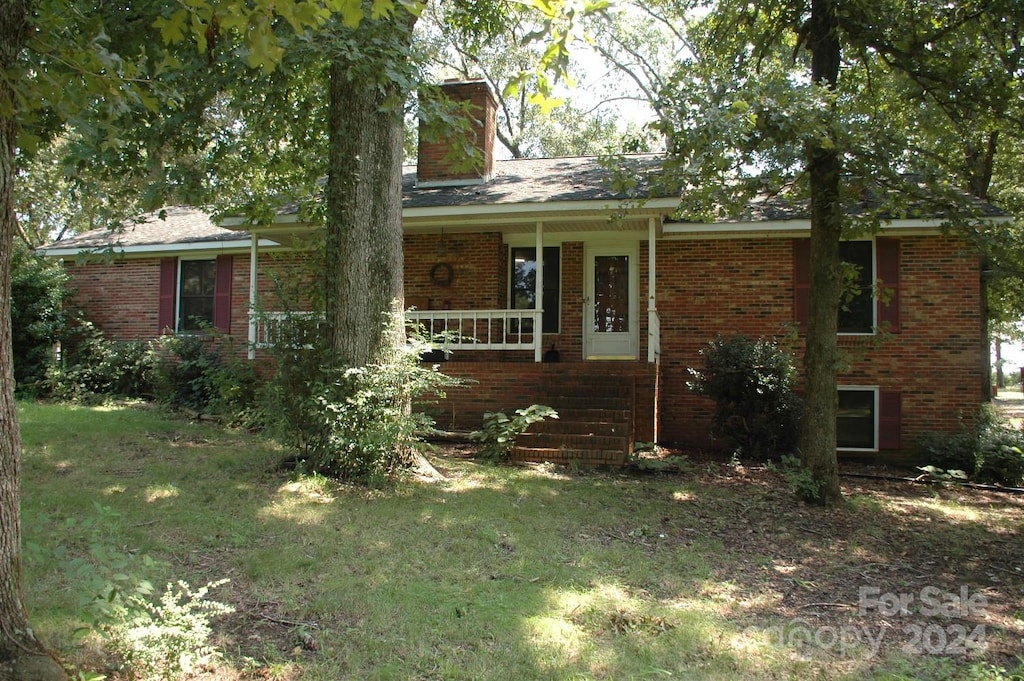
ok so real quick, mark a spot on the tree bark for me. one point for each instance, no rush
(363, 249)
(22, 656)
(821, 356)
(979, 164)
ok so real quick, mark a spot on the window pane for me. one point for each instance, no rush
(856, 312)
(855, 420)
(524, 284)
(611, 293)
(196, 295)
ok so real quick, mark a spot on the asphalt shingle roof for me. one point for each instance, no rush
(172, 225)
(536, 180)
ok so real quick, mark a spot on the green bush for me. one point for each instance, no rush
(751, 382)
(988, 450)
(91, 366)
(351, 423)
(192, 373)
(38, 293)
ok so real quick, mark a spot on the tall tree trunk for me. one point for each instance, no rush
(821, 357)
(22, 656)
(364, 217)
(979, 162)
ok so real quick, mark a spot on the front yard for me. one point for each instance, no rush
(531, 572)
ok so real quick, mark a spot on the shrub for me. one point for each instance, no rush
(91, 365)
(987, 449)
(191, 373)
(166, 639)
(38, 293)
(352, 423)
(751, 382)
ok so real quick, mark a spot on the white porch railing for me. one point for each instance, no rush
(482, 329)
(265, 328)
(455, 329)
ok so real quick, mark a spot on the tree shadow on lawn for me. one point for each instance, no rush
(920, 567)
(544, 572)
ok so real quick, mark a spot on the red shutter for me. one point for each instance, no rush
(887, 252)
(168, 289)
(222, 295)
(801, 280)
(890, 408)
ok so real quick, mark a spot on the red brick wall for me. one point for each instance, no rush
(122, 298)
(746, 286)
(479, 273)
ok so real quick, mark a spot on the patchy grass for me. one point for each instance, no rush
(532, 572)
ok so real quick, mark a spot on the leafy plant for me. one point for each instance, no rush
(166, 639)
(805, 487)
(154, 639)
(751, 382)
(939, 474)
(500, 431)
(988, 449)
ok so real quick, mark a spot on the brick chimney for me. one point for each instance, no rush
(441, 160)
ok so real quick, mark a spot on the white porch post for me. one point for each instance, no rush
(653, 321)
(253, 256)
(538, 321)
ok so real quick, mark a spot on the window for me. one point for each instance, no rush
(857, 308)
(856, 419)
(196, 294)
(860, 311)
(524, 284)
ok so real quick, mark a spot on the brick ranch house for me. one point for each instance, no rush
(628, 298)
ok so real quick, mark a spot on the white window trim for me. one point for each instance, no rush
(178, 331)
(508, 283)
(874, 295)
(874, 389)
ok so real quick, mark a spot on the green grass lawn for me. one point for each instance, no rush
(510, 572)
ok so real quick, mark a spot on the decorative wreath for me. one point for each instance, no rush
(442, 274)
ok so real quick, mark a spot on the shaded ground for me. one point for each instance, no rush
(893, 564)
(903, 568)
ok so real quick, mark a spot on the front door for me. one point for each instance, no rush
(611, 325)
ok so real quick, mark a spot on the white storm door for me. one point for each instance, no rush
(610, 321)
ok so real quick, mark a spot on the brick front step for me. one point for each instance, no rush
(582, 426)
(582, 434)
(590, 457)
(572, 441)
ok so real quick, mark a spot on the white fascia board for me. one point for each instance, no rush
(549, 210)
(239, 223)
(115, 249)
(797, 226)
